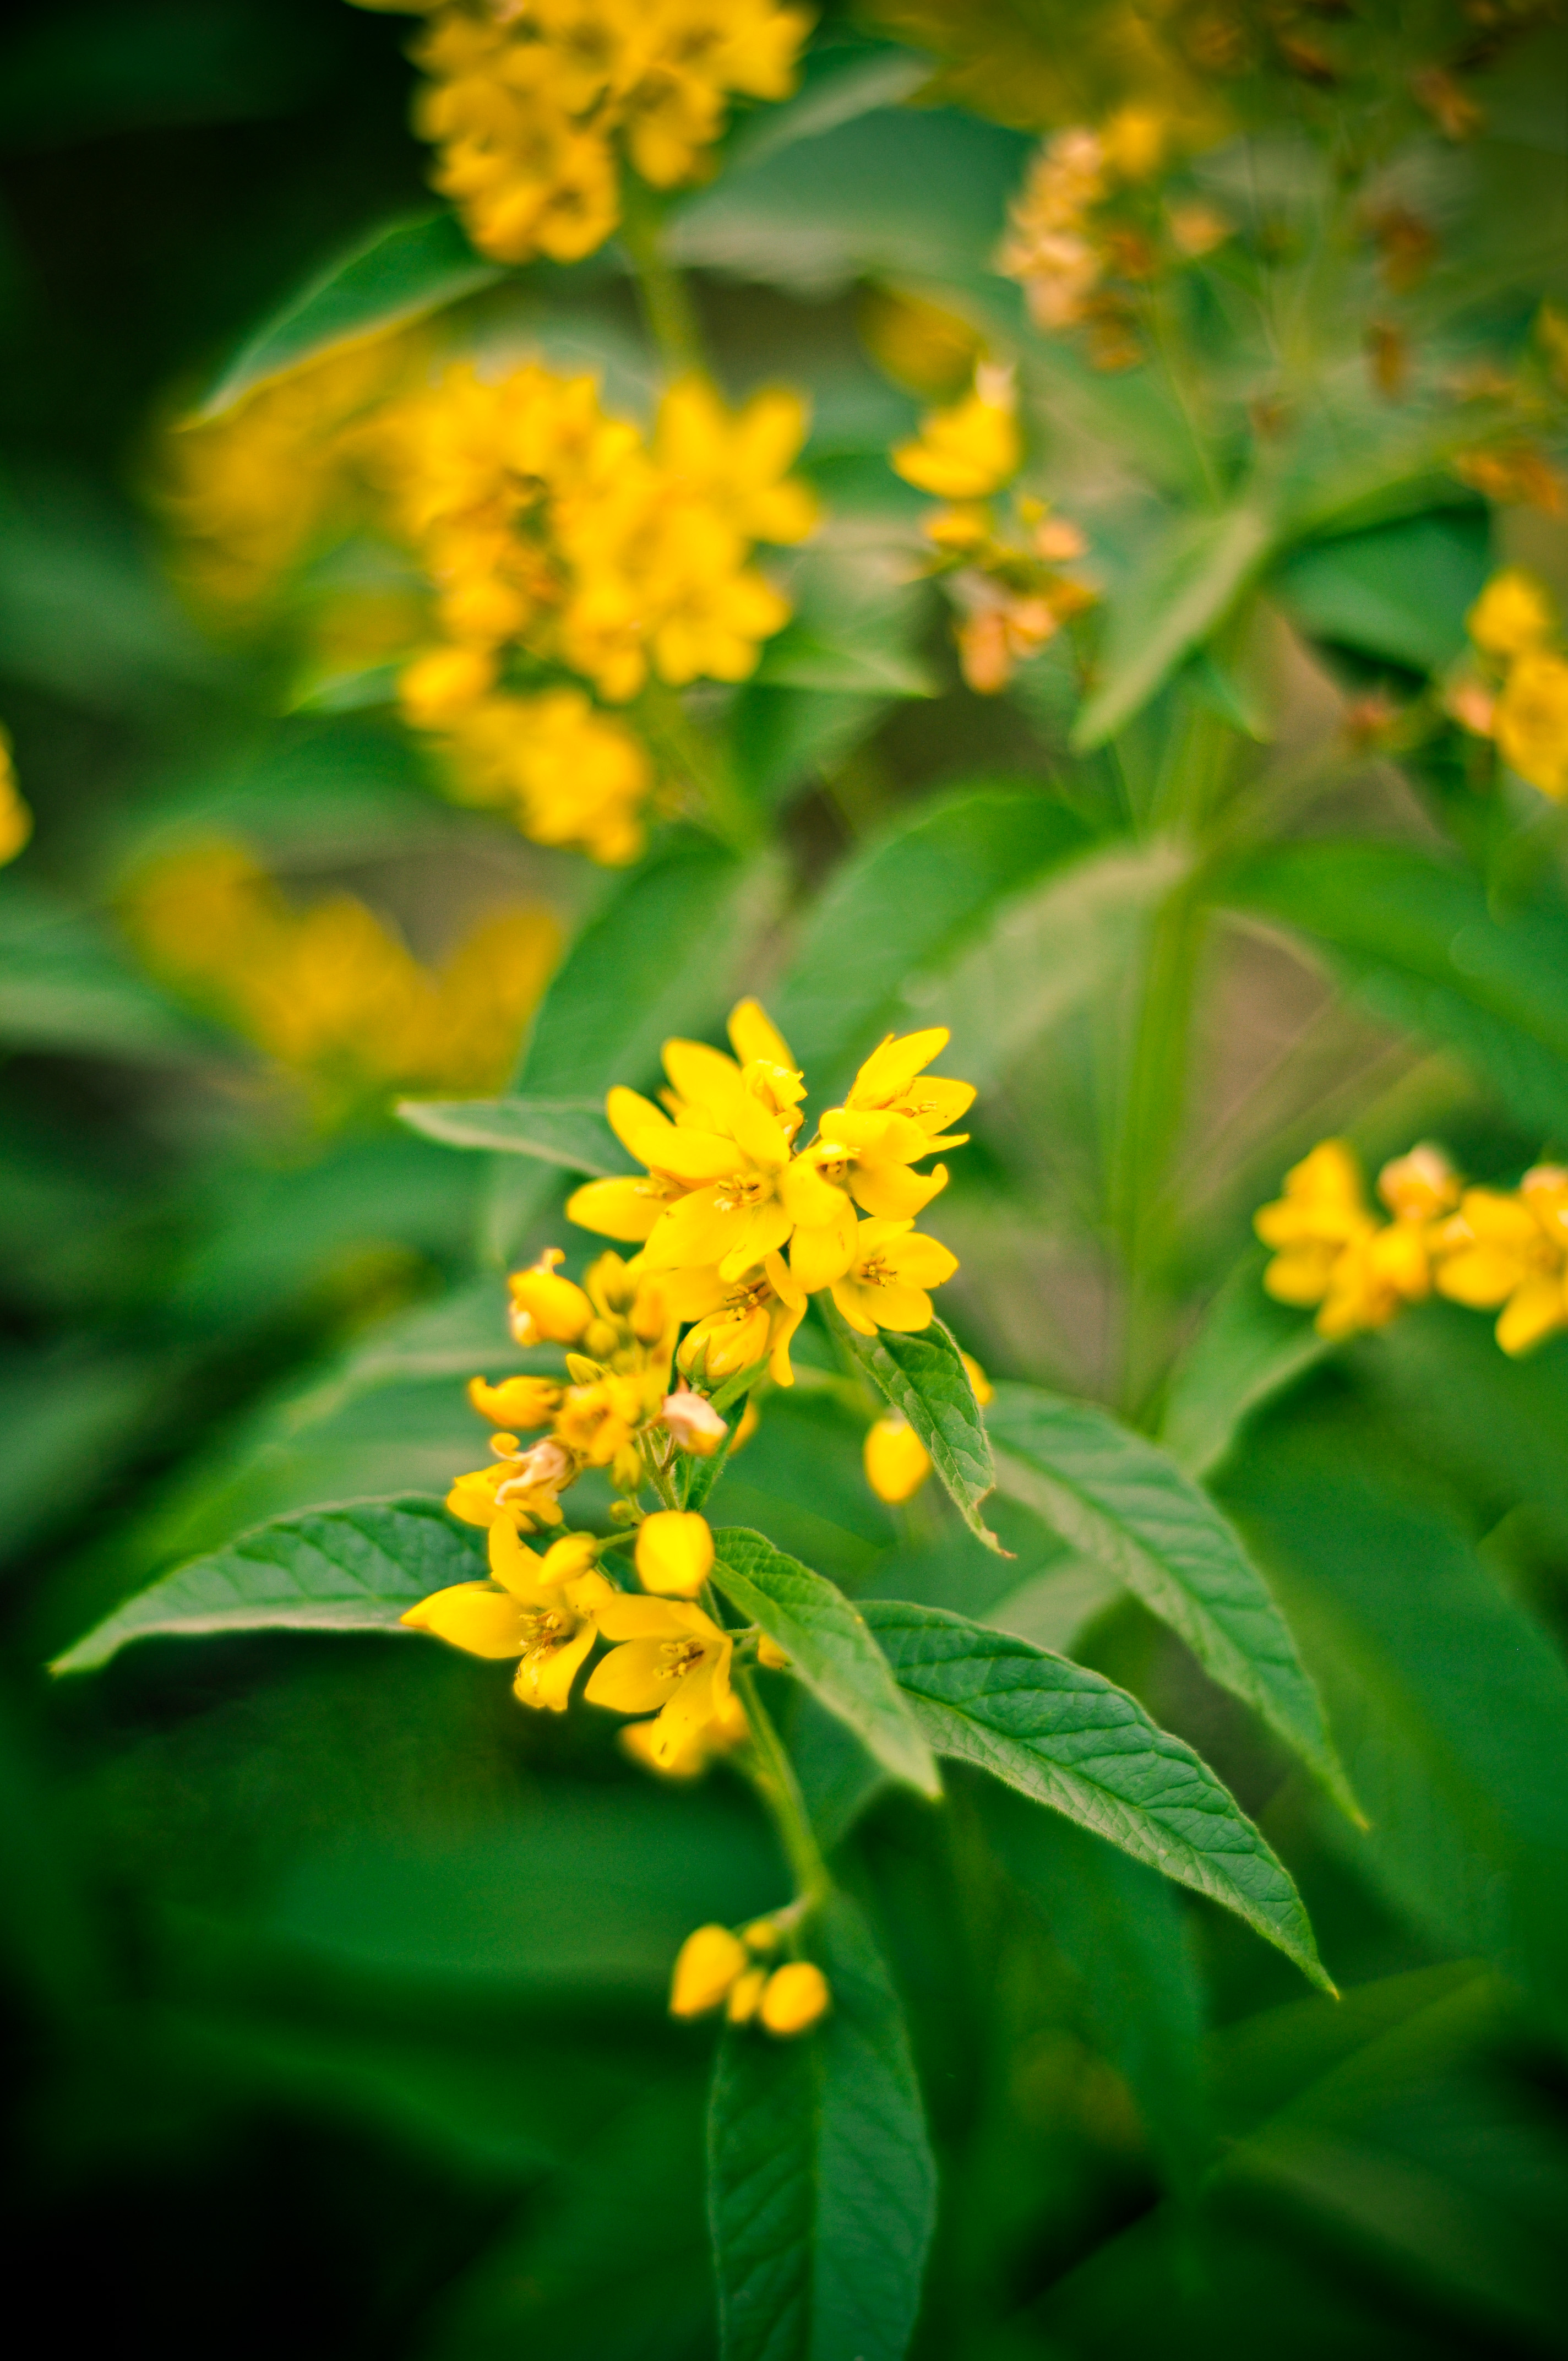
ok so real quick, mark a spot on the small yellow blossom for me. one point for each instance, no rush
(707, 1966)
(751, 1321)
(670, 1659)
(1330, 1250)
(886, 1285)
(546, 1308)
(15, 820)
(675, 1553)
(971, 449)
(1530, 721)
(896, 1461)
(794, 1998)
(704, 1746)
(1512, 614)
(745, 1996)
(544, 1614)
(1511, 1251)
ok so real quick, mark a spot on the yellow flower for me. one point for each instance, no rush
(545, 1308)
(15, 820)
(896, 1461)
(894, 1081)
(707, 1965)
(751, 1321)
(541, 1613)
(670, 1658)
(566, 773)
(675, 1553)
(522, 1489)
(885, 1285)
(1512, 1251)
(739, 460)
(795, 1998)
(1322, 1212)
(1530, 721)
(516, 1401)
(689, 1762)
(970, 449)
(1512, 614)
(870, 1155)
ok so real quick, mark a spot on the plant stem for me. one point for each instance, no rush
(667, 307)
(772, 1775)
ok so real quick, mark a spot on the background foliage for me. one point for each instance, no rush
(337, 1984)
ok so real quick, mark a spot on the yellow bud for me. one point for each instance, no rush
(710, 1961)
(547, 1309)
(675, 1553)
(762, 1935)
(896, 1460)
(983, 1389)
(794, 1998)
(1513, 614)
(744, 1994)
(516, 1401)
(770, 1656)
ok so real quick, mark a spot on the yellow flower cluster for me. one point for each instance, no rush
(553, 531)
(531, 104)
(1518, 693)
(1011, 597)
(328, 991)
(717, 1968)
(1504, 1251)
(729, 1189)
(15, 820)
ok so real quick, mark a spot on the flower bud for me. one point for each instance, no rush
(794, 1998)
(573, 1554)
(545, 1308)
(745, 1994)
(708, 1963)
(771, 1656)
(693, 1422)
(896, 1460)
(675, 1553)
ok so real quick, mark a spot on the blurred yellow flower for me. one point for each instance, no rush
(15, 820)
(1513, 614)
(1331, 1249)
(1512, 1250)
(328, 991)
(531, 105)
(970, 449)
(1530, 720)
(675, 1553)
(896, 1461)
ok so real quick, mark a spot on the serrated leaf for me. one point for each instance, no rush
(351, 1568)
(830, 1647)
(1119, 1497)
(1068, 1738)
(1416, 942)
(910, 902)
(821, 2185)
(403, 272)
(571, 1133)
(1181, 591)
(924, 1376)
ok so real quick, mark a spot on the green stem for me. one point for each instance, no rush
(772, 1775)
(667, 307)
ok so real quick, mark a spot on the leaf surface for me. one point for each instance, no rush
(1122, 1499)
(827, 1642)
(353, 1568)
(402, 272)
(1068, 1738)
(1181, 591)
(572, 1133)
(821, 2184)
(924, 1376)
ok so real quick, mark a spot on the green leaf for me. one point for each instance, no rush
(924, 1376)
(1247, 1350)
(667, 953)
(1400, 592)
(1068, 1738)
(908, 902)
(1121, 1929)
(1416, 941)
(798, 658)
(353, 1568)
(1121, 1498)
(571, 1133)
(66, 988)
(403, 271)
(1180, 591)
(822, 2186)
(828, 1645)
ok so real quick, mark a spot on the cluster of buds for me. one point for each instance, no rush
(1004, 576)
(1514, 690)
(1077, 260)
(718, 1968)
(1494, 1250)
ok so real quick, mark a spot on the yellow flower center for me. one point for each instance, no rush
(745, 1189)
(875, 1273)
(681, 1657)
